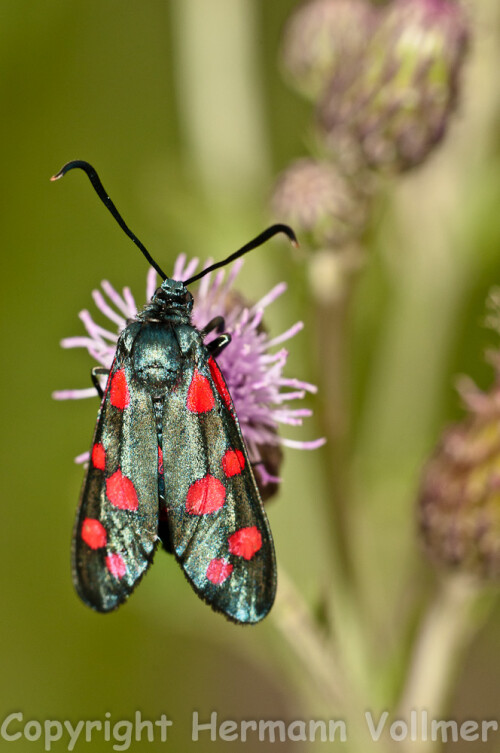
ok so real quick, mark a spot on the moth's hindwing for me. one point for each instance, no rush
(117, 519)
(218, 528)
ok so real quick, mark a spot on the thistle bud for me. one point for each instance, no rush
(320, 203)
(320, 36)
(396, 100)
(459, 501)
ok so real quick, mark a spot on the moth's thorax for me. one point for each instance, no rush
(156, 356)
(172, 301)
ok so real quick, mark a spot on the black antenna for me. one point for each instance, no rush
(99, 189)
(258, 241)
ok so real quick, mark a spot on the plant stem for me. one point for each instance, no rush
(321, 659)
(293, 619)
(447, 627)
(332, 284)
(332, 324)
(219, 97)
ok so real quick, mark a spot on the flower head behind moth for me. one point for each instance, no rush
(252, 365)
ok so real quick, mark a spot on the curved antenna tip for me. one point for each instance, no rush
(287, 230)
(258, 241)
(70, 165)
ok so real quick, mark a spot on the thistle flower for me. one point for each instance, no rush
(459, 501)
(396, 99)
(323, 204)
(320, 37)
(252, 368)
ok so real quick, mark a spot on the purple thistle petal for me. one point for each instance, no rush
(130, 301)
(83, 458)
(204, 284)
(314, 444)
(151, 285)
(190, 269)
(267, 478)
(76, 342)
(94, 329)
(233, 274)
(126, 304)
(283, 382)
(273, 357)
(273, 294)
(297, 327)
(179, 265)
(286, 418)
(74, 394)
(218, 280)
(182, 269)
(257, 319)
(107, 310)
(298, 395)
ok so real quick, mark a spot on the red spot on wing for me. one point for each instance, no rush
(98, 457)
(116, 565)
(94, 533)
(121, 492)
(218, 571)
(200, 397)
(219, 382)
(205, 495)
(245, 542)
(233, 462)
(160, 460)
(118, 394)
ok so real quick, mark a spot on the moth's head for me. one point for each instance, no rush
(174, 295)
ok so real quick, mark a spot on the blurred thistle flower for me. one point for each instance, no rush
(320, 202)
(396, 99)
(320, 37)
(254, 375)
(459, 501)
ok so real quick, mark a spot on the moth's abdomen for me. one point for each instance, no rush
(156, 356)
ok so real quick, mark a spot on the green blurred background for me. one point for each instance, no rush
(181, 107)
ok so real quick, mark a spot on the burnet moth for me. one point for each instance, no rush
(168, 461)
